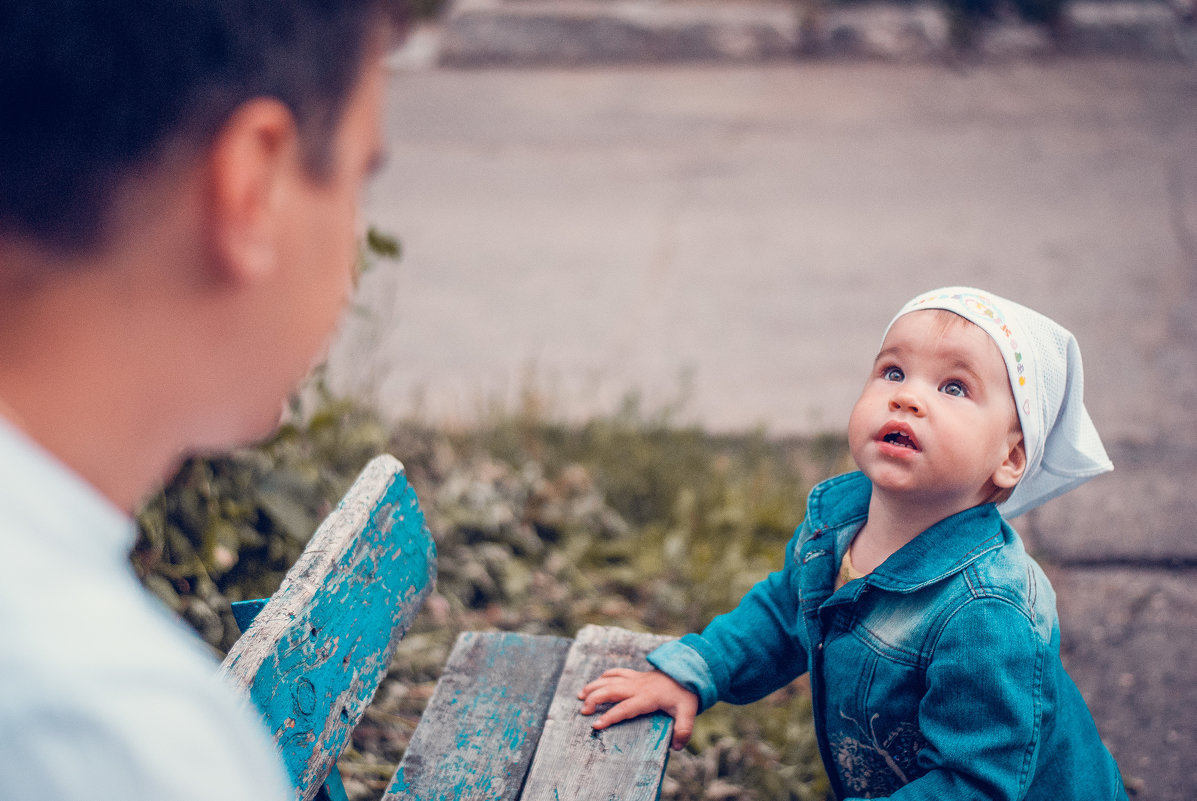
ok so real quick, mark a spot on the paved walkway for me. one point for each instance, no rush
(737, 236)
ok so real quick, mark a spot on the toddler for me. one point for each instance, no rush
(929, 634)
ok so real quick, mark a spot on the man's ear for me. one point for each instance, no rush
(1012, 467)
(245, 167)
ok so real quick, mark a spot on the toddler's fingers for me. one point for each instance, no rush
(589, 704)
(625, 710)
(594, 694)
(605, 679)
(603, 693)
(683, 727)
(683, 721)
(617, 673)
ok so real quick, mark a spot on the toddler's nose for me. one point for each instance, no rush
(903, 400)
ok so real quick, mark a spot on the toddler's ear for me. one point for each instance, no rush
(1011, 469)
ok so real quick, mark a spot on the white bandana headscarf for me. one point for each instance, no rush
(1044, 364)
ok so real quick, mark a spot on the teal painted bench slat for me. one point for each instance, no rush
(479, 732)
(314, 655)
(502, 723)
(477, 737)
(626, 761)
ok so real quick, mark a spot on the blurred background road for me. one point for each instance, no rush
(741, 235)
(730, 240)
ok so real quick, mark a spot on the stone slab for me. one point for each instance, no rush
(1141, 514)
(571, 32)
(481, 33)
(1127, 28)
(886, 31)
(1127, 641)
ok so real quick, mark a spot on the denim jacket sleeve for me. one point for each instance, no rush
(982, 713)
(749, 652)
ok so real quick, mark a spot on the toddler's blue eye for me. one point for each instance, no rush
(893, 374)
(954, 388)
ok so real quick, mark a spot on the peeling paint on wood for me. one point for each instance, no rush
(313, 657)
(244, 612)
(504, 696)
(573, 761)
(479, 731)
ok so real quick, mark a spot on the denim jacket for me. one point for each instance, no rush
(937, 676)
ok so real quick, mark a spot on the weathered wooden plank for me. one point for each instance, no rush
(573, 761)
(244, 612)
(479, 731)
(313, 657)
(333, 788)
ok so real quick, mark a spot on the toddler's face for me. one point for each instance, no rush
(936, 419)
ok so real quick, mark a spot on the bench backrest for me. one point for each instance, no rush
(316, 652)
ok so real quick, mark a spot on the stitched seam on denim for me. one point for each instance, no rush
(947, 611)
(1032, 590)
(1037, 696)
(860, 694)
(947, 618)
(1028, 764)
(984, 545)
(814, 555)
(814, 502)
(966, 563)
(882, 648)
(972, 580)
(985, 589)
(968, 560)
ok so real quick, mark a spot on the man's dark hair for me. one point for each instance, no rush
(93, 91)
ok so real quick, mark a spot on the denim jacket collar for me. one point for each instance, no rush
(944, 549)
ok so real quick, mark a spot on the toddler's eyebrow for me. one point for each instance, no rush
(958, 364)
(892, 352)
(962, 366)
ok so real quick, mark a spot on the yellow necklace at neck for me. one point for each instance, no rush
(848, 571)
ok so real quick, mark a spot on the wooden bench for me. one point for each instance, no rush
(503, 721)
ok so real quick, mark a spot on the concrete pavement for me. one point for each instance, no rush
(735, 237)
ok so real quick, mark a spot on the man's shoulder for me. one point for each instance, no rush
(137, 737)
(97, 669)
(133, 720)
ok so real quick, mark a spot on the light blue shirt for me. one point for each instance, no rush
(103, 693)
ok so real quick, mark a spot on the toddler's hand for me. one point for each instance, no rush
(636, 693)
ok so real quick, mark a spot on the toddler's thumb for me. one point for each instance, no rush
(682, 729)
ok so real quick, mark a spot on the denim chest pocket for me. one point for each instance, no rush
(871, 717)
(881, 663)
(874, 675)
(897, 630)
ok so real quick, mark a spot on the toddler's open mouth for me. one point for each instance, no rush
(899, 436)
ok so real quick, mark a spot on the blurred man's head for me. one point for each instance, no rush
(179, 189)
(93, 93)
